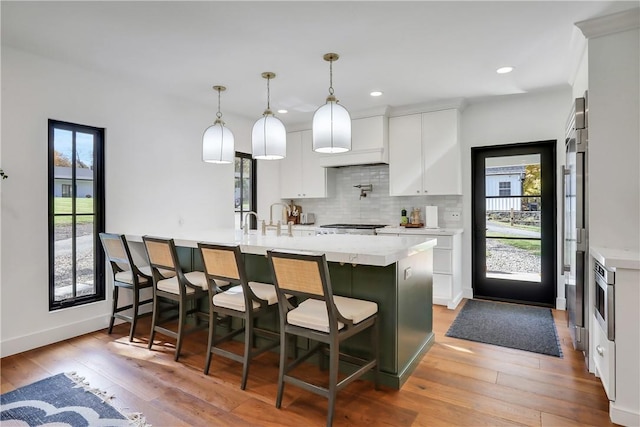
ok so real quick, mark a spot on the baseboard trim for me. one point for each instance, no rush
(561, 303)
(454, 302)
(16, 345)
(623, 417)
(467, 293)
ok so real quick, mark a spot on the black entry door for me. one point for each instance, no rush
(514, 223)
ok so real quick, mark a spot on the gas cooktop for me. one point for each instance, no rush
(355, 226)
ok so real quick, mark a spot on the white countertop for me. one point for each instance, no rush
(616, 258)
(428, 231)
(353, 249)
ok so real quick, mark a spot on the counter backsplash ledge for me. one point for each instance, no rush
(377, 207)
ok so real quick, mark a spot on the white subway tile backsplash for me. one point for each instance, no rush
(378, 207)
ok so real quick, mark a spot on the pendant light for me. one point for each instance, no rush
(269, 137)
(217, 141)
(331, 122)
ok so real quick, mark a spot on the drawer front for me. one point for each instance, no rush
(442, 285)
(605, 357)
(442, 261)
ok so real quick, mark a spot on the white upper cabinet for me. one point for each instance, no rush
(301, 175)
(424, 154)
(442, 169)
(405, 155)
(369, 144)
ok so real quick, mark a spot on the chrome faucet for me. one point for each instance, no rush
(245, 226)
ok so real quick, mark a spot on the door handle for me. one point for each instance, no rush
(565, 171)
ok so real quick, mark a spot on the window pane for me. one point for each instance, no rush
(85, 283)
(84, 173)
(513, 259)
(246, 185)
(62, 157)
(63, 267)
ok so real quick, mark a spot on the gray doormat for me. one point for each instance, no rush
(517, 326)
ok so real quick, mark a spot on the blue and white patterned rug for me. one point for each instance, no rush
(62, 400)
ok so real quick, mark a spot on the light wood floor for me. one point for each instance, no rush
(457, 383)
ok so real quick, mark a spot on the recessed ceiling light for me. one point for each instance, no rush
(376, 93)
(283, 111)
(504, 70)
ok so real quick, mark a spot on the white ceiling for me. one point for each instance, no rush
(415, 52)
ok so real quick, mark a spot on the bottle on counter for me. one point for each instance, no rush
(403, 217)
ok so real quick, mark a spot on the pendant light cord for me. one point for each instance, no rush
(268, 94)
(330, 77)
(219, 114)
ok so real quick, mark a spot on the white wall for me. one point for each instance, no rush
(505, 120)
(155, 180)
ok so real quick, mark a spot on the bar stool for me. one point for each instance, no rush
(246, 300)
(183, 289)
(126, 275)
(321, 317)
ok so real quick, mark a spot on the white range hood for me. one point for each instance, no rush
(369, 141)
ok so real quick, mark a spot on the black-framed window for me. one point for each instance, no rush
(76, 214)
(245, 192)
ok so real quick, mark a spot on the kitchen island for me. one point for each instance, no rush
(395, 272)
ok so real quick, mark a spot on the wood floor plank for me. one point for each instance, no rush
(568, 394)
(458, 382)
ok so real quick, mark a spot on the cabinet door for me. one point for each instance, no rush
(313, 176)
(291, 168)
(441, 153)
(405, 155)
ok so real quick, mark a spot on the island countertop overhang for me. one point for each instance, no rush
(343, 248)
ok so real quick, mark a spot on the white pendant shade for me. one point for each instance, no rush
(269, 139)
(331, 129)
(218, 144)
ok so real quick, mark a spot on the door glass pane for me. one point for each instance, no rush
(512, 207)
(85, 283)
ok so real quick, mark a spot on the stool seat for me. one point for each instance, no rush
(312, 313)
(171, 285)
(234, 298)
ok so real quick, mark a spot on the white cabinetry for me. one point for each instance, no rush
(424, 154)
(369, 143)
(616, 362)
(301, 175)
(447, 265)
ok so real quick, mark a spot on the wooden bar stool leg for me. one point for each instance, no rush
(181, 323)
(115, 308)
(154, 319)
(248, 347)
(134, 318)
(283, 362)
(334, 351)
(212, 331)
